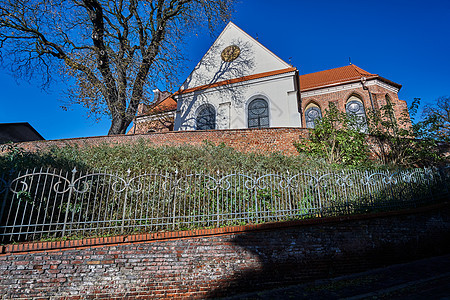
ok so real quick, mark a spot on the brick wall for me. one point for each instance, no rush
(216, 262)
(340, 99)
(247, 140)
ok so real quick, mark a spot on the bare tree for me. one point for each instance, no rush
(436, 118)
(109, 51)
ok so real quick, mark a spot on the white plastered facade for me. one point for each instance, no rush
(230, 101)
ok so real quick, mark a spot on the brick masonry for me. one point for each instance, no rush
(247, 140)
(216, 262)
(339, 98)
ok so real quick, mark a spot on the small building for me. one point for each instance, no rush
(241, 84)
(18, 132)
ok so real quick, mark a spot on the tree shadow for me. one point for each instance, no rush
(277, 255)
(212, 75)
(300, 255)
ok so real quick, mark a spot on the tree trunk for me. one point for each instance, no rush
(118, 126)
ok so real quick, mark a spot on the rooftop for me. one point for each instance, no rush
(337, 76)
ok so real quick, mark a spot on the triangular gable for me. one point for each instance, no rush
(253, 58)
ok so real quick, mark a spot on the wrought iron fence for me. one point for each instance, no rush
(39, 204)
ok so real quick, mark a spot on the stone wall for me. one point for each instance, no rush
(223, 261)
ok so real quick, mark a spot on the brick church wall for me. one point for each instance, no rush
(340, 99)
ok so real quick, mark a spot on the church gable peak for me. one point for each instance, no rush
(234, 54)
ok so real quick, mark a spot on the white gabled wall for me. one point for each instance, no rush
(230, 101)
(253, 59)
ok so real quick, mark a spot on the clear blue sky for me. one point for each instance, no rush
(407, 42)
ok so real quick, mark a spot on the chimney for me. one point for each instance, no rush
(156, 93)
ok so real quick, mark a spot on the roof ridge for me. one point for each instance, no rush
(358, 69)
(332, 76)
(353, 66)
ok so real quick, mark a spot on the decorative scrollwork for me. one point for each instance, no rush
(117, 180)
(313, 181)
(425, 175)
(344, 180)
(136, 182)
(210, 183)
(371, 179)
(224, 182)
(325, 180)
(262, 184)
(25, 186)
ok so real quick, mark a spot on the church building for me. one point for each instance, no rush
(239, 84)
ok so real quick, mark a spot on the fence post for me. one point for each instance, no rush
(255, 195)
(443, 178)
(6, 189)
(217, 201)
(344, 188)
(71, 187)
(174, 198)
(319, 193)
(122, 229)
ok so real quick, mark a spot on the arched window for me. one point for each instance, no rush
(355, 107)
(258, 113)
(206, 118)
(388, 100)
(312, 114)
(389, 108)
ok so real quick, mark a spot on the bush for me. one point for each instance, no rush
(337, 138)
(141, 156)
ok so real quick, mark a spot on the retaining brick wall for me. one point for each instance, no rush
(216, 262)
(247, 140)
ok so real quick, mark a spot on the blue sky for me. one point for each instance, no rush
(407, 42)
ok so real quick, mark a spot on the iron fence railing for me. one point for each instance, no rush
(45, 203)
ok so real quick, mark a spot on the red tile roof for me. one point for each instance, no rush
(346, 74)
(163, 105)
(350, 73)
(167, 104)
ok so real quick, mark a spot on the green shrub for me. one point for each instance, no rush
(141, 156)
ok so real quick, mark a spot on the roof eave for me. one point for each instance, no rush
(394, 84)
(334, 84)
(399, 86)
(234, 80)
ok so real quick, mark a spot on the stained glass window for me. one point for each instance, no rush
(206, 118)
(258, 114)
(312, 114)
(356, 108)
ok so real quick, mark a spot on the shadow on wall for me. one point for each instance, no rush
(209, 71)
(302, 254)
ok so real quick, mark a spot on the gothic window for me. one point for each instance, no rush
(389, 109)
(355, 107)
(258, 114)
(206, 118)
(388, 100)
(312, 114)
